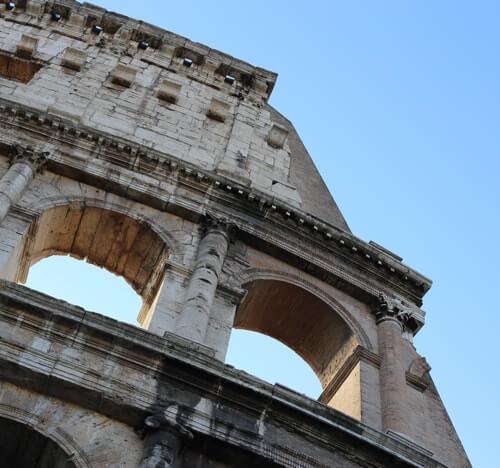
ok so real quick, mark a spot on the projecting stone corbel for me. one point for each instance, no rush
(277, 136)
(169, 91)
(26, 47)
(35, 7)
(417, 374)
(218, 110)
(74, 59)
(123, 75)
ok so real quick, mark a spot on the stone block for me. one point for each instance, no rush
(286, 191)
(123, 75)
(218, 110)
(169, 91)
(26, 47)
(76, 21)
(35, 8)
(277, 136)
(74, 59)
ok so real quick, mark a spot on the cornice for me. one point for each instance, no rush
(153, 44)
(161, 166)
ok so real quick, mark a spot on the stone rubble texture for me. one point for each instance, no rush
(164, 163)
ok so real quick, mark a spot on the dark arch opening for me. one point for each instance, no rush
(23, 447)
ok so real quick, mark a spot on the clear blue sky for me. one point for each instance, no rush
(398, 103)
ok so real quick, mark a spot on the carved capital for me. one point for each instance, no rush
(164, 439)
(384, 309)
(392, 309)
(27, 155)
(211, 223)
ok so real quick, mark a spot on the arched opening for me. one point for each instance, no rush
(271, 361)
(23, 447)
(309, 326)
(89, 286)
(105, 238)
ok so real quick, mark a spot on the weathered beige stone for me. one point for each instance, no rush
(277, 136)
(129, 185)
(218, 110)
(27, 46)
(123, 75)
(169, 91)
(74, 59)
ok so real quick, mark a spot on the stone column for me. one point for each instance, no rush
(164, 439)
(25, 163)
(392, 372)
(193, 321)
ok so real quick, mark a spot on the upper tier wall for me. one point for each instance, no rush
(159, 90)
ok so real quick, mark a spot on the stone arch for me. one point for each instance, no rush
(58, 436)
(254, 274)
(306, 319)
(104, 234)
(175, 251)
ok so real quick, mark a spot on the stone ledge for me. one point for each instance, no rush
(63, 376)
(410, 282)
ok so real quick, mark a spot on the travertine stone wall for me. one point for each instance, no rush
(88, 438)
(236, 147)
(164, 163)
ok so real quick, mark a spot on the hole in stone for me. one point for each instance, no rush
(229, 79)
(15, 68)
(187, 62)
(10, 5)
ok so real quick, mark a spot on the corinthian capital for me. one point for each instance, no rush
(28, 155)
(385, 308)
(213, 223)
(388, 308)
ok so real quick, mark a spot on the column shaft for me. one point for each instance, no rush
(392, 376)
(12, 186)
(200, 293)
(25, 162)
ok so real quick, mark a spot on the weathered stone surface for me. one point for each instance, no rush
(27, 46)
(74, 59)
(141, 145)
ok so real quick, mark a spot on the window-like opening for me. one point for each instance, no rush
(89, 286)
(15, 68)
(108, 239)
(311, 327)
(272, 361)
